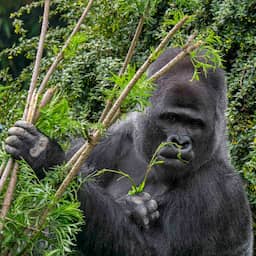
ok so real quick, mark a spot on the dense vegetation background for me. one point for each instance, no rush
(98, 51)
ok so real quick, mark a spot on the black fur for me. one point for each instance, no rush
(202, 204)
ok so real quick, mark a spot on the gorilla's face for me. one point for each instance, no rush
(184, 118)
(183, 115)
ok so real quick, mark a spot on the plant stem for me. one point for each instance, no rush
(2, 167)
(60, 55)
(126, 62)
(47, 97)
(9, 194)
(6, 173)
(175, 60)
(59, 58)
(38, 57)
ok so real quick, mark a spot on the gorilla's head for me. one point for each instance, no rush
(187, 114)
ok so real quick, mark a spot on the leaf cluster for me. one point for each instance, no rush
(57, 237)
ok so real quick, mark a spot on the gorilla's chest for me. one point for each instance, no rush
(132, 165)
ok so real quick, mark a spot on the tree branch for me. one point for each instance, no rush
(38, 57)
(175, 60)
(6, 173)
(9, 194)
(126, 62)
(60, 55)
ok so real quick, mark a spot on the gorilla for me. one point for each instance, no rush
(193, 203)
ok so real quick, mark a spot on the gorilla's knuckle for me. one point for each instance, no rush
(146, 221)
(155, 215)
(11, 139)
(12, 151)
(141, 210)
(152, 205)
(136, 200)
(15, 131)
(145, 196)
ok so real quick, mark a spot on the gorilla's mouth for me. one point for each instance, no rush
(170, 156)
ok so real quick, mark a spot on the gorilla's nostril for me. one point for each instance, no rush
(181, 142)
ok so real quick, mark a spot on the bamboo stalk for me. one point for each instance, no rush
(133, 45)
(175, 60)
(134, 40)
(38, 56)
(47, 97)
(2, 167)
(190, 40)
(74, 158)
(33, 107)
(9, 194)
(116, 116)
(126, 62)
(6, 173)
(60, 55)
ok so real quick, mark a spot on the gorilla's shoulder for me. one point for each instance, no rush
(117, 141)
(125, 126)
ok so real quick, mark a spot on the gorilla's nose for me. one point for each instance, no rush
(181, 143)
(180, 148)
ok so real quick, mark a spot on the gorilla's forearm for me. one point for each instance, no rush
(107, 223)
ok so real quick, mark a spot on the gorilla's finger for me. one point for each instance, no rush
(27, 126)
(155, 215)
(13, 141)
(135, 199)
(13, 151)
(152, 205)
(21, 133)
(145, 196)
(141, 210)
(140, 198)
(146, 222)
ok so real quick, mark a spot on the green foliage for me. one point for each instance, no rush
(32, 197)
(76, 41)
(55, 119)
(138, 97)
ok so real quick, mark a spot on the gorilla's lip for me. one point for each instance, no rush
(170, 161)
(168, 156)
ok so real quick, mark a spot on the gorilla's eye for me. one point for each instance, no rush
(170, 117)
(197, 123)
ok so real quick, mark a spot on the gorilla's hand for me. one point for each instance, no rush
(26, 142)
(142, 209)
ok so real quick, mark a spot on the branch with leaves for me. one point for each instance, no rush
(14, 169)
(31, 112)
